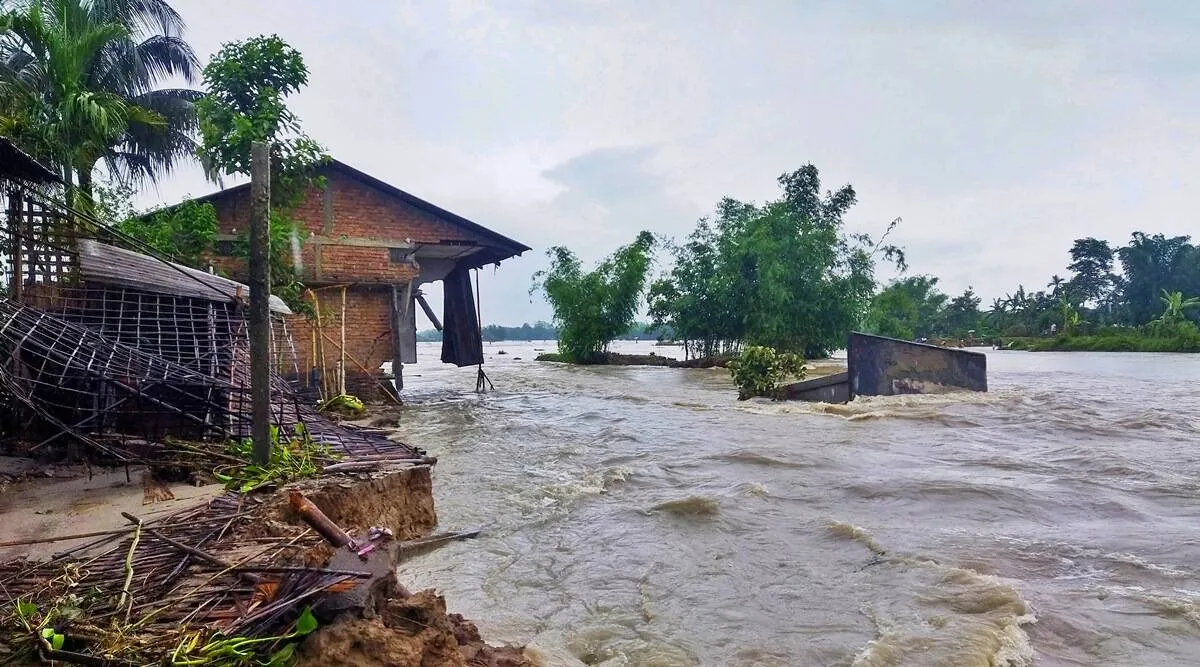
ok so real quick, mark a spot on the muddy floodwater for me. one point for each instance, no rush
(643, 516)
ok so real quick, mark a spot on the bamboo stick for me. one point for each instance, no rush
(362, 368)
(368, 465)
(342, 363)
(126, 599)
(64, 538)
(324, 388)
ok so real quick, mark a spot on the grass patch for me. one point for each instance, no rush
(1124, 341)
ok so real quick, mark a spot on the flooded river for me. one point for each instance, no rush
(643, 516)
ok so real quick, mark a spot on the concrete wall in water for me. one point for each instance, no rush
(879, 366)
(828, 389)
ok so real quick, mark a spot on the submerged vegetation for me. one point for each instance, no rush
(591, 308)
(759, 370)
(784, 275)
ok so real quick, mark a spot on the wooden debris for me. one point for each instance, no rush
(316, 519)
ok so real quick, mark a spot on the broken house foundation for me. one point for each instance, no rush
(112, 355)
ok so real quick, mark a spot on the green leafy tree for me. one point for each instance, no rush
(1070, 316)
(591, 308)
(1174, 306)
(1091, 264)
(247, 84)
(997, 315)
(1151, 264)
(962, 314)
(759, 370)
(783, 275)
(1056, 285)
(80, 85)
(695, 299)
(908, 308)
(184, 232)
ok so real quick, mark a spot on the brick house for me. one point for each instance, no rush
(368, 249)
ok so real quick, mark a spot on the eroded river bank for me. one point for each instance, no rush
(642, 516)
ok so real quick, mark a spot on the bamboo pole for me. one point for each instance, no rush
(320, 346)
(342, 362)
(362, 367)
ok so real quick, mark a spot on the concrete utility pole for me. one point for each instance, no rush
(260, 299)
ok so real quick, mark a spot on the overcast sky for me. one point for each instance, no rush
(999, 131)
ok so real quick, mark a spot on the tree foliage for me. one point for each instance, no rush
(247, 84)
(79, 85)
(783, 274)
(962, 314)
(1152, 264)
(1158, 275)
(184, 232)
(591, 308)
(1091, 264)
(908, 308)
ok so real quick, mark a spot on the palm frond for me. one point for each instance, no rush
(147, 15)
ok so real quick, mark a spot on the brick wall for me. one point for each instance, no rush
(368, 331)
(358, 211)
(361, 212)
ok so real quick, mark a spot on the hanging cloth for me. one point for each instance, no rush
(461, 342)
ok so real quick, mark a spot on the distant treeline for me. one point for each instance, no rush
(545, 331)
(1148, 286)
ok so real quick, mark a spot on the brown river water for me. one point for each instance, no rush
(643, 516)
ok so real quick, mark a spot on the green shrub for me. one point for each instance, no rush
(758, 370)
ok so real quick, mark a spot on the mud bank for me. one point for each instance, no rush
(368, 619)
(394, 627)
(407, 630)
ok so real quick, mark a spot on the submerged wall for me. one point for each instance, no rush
(879, 366)
(828, 389)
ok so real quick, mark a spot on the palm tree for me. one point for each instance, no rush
(1055, 284)
(998, 313)
(78, 86)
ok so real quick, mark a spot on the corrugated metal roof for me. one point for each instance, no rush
(109, 264)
